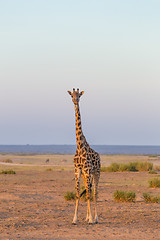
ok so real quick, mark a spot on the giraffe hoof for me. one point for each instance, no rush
(73, 223)
(90, 223)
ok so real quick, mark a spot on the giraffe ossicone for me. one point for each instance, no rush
(86, 163)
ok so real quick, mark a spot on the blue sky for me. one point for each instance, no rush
(109, 49)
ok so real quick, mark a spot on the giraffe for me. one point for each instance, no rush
(86, 163)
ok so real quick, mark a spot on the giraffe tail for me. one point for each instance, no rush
(84, 191)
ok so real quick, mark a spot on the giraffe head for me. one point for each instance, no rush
(76, 95)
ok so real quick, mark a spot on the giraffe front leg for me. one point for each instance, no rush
(88, 196)
(90, 219)
(77, 177)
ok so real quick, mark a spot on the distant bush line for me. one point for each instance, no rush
(128, 167)
(8, 161)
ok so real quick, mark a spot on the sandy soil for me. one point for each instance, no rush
(32, 204)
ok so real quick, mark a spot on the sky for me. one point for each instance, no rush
(109, 49)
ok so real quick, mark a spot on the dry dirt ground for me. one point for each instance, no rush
(32, 204)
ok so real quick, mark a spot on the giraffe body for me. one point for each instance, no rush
(86, 163)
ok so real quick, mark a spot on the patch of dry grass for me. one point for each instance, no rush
(150, 198)
(154, 183)
(122, 196)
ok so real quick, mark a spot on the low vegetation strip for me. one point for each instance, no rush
(121, 196)
(128, 167)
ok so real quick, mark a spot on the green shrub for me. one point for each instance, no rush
(154, 183)
(124, 167)
(151, 199)
(121, 196)
(8, 172)
(132, 167)
(144, 166)
(70, 196)
(8, 161)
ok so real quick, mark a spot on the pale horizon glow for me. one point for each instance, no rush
(109, 49)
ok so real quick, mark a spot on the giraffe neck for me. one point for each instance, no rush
(80, 138)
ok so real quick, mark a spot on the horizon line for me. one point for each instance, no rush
(68, 144)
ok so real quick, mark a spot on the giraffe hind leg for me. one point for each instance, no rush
(87, 181)
(96, 180)
(85, 192)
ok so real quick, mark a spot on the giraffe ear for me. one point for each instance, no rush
(81, 93)
(69, 92)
